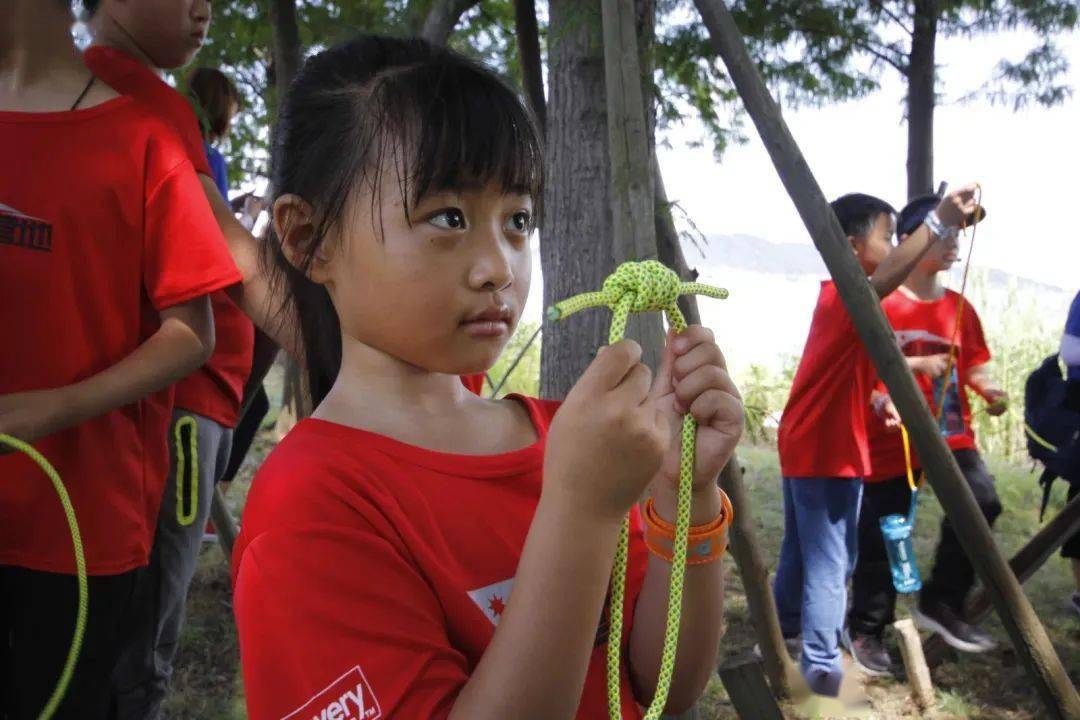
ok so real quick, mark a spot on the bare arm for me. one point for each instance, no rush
(981, 381)
(899, 263)
(536, 663)
(255, 296)
(702, 614)
(180, 346)
(895, 268)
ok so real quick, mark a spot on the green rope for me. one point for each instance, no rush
(646, 286)
(80, 571)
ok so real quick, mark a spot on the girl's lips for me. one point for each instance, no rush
(486, 328)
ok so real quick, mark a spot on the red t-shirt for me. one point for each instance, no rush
(823, 429)
(475, 383)
(217, 389)
(373, 572)
(926, 328)
(102, 224)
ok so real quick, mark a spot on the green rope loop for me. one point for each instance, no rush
(646, 286)
(80, 572)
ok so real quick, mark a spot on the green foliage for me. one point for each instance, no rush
(523, 348)
(765, 392)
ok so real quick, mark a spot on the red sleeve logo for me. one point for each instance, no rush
(347, 698)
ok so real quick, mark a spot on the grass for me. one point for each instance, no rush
(207, 684)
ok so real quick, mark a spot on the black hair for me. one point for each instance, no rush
(214, 96)
(857, 213)
(91, 6)
(372, 104)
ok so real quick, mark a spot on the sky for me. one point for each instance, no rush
(1026, 162)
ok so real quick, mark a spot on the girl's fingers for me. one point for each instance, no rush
(691, 337)
(706, 353)
(714, 404)
(707, 377)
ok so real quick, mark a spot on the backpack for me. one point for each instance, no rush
(1053, 430)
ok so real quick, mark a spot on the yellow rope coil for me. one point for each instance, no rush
(646, 286)
(80, 572)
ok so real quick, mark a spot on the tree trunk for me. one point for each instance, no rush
(1028, 635)
(532, 75)
(575, 249)
(921, 75)
(441, 19)
(287, 54)
(286, 43)
(632, 208)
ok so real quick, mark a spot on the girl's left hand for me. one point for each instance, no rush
(693, 378)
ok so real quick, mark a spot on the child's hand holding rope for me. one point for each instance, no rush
(607, 440)
(693, 378)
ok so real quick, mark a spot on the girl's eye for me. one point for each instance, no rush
(449, 219)
(520, 222)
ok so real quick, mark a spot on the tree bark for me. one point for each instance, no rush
(921, 76)
(745, 550)
(286, 43)
(441, 19)
(575, 249)
(632, 208)
(1027, 633)
(287, 54)
(532, 75)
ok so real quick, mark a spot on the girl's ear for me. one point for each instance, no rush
(294, 227)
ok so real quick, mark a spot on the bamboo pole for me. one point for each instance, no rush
(1027, 633)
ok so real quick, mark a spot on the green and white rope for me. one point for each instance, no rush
(635, 287)
(80, 571)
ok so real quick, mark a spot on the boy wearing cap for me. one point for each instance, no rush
(924, 315)
(822, 436)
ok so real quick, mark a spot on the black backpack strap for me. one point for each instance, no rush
(1047, 481)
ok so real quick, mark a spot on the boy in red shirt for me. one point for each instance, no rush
(822, 437)
(924, 315)
(105, 266)
(133, 43)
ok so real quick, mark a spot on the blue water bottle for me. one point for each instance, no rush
(897, 531)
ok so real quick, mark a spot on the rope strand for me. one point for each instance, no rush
(636, 287)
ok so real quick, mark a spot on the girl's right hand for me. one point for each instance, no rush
(606, 442)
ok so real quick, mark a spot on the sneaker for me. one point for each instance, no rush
(869, 654)
(938, 617)
(1074, 602)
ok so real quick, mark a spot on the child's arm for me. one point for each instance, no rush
(180, 346)
(692, 377)
(604, 447)
(979, 379)
(255, 297)
(899, 263)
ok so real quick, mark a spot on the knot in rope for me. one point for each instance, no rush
(652, 287)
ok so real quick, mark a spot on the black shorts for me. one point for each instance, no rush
(37, 616)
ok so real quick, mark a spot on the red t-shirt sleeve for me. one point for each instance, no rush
(185, 255)
(327, 611)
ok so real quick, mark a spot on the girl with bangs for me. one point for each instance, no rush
(413, 550)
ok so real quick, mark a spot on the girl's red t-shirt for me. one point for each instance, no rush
(370, 574)
(216, 390)
(926, 328)
(103, 224)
